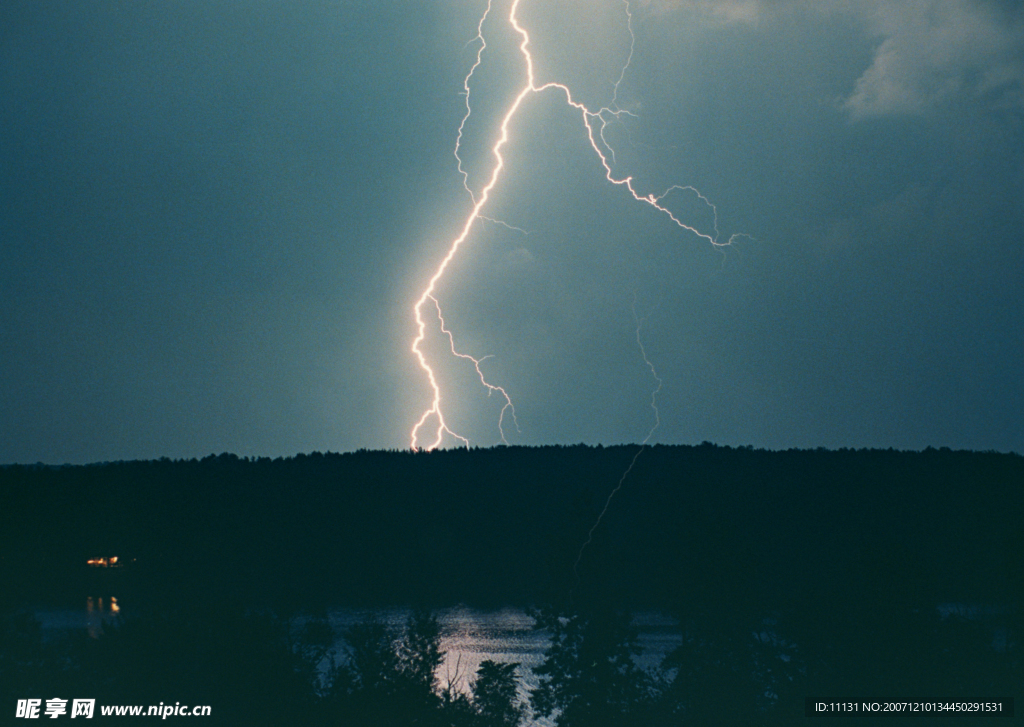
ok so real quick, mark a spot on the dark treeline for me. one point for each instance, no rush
(864, 575)
(260, 667)
(504, 526)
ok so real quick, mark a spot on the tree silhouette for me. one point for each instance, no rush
(390, 678)
(494, 695)
(589, 676)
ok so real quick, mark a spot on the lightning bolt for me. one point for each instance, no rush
(466, 91)
(643, 444)
(491, 389)
(594, 122)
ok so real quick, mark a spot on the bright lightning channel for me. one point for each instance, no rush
(591, 119)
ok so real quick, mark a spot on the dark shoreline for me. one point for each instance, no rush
(837, 561)
(505, 526)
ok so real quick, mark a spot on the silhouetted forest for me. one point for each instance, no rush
(841, 574)
(260, 667)
(504, 526)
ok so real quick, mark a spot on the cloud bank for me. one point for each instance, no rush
(928, 51)
(932, 50)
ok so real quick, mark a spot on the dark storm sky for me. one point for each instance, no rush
(215, 218)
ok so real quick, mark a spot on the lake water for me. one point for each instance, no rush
(468, 636)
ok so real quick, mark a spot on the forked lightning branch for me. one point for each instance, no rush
(432, 427)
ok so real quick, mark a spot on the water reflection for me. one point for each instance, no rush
(469, 637)
(98, 611)
(753, 658)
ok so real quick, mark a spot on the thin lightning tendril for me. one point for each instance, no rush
(505, 224)
(595, 123)
(491, 389)
(643, 445)
(465, 86)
